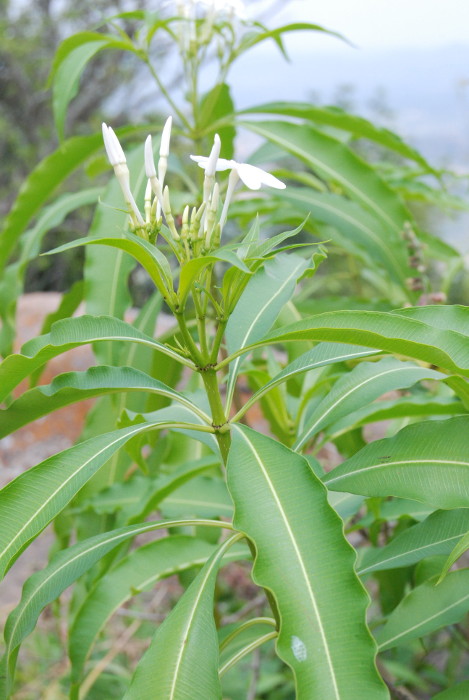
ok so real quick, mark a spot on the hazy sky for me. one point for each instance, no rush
(383, 23)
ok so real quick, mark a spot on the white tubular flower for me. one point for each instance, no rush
(150, 171)
(164, 150)
(210, 170)
(118, 161)
(252, 176)
(213, 159)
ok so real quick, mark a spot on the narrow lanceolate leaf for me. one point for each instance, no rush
(66, 567)
(414, 405)
(461, 547)
(248, 647)
(340, 119)
(427, 608)
(75, 386)
(457, 692)
(265, 295)
(33, 499)
(308, 566)
(69, 64)
(191, 269)
(182, 660)
(361, 386)
(146, 254)
(41, 183)
(67, 334)
(261, 33)
(435, 535)
(392, 332)
(335, 161)
(137, 572)
(106, 271)
(449, 318)
(352, 226)
(323, 354)
(427, 462)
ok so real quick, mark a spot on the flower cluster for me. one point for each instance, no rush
(199, 19)
(201, 227)
(215, 9)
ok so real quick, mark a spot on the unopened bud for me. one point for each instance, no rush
(164, 150)
(147, 201)
(166, 206)
(185, 223)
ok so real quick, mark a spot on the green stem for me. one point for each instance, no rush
(218, 340)
(201, 323)
(190, 344)
(220, 424)
(166, 94)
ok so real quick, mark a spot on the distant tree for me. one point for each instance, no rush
(29, 36)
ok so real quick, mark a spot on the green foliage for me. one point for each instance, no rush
(266, 337)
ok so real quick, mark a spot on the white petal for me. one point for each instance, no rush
(222, 163)
(109, 146)
(116, 147)
(250, 175)
(271, 181)
(254, 177)
(201, 160)
(165, 136)
(149, 161)
(212, 161)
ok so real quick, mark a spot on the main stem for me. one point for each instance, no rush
(220, 423)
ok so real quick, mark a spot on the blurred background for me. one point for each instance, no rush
(405, 66)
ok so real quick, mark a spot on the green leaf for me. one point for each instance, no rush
(335, 161)
(426, 462)
(392, 332)
(235, 656)
(144, 252)
(202, 497)
(427, 608)
(398, 408)
(261, 34)
(69, 303)
(138, 571)
(308, 566)
(33, 499)
(218, 105)
(265, 295)
(340, 119)
(263, 249)
(435, 535)
(66, 567)
(182, 660)
(167, 485)
(76, 386)
(448, 318)
(41, 183)
(457, 692)
(354, 225)
(360, 387)
(323, 354)
(192, 268)
(69, 63)
(67, 334)
(458, 551)
(106, 272)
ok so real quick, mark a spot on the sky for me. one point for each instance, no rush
(413, 53)
(383, 24)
